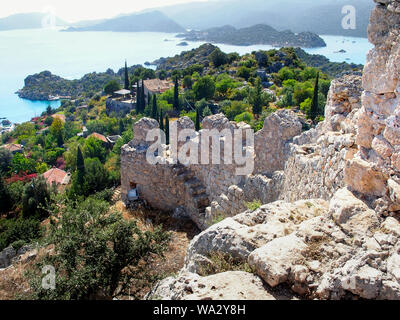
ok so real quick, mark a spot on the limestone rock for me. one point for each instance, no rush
(6, 257)
(344, 98)
(361, 176)
(140, 131)
(272, 142)
(218, 122)
(224, 286)
(242, 234)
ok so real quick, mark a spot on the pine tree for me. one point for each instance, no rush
(197, 119)
(154, 108)
(314, 104)
(176, 94)
(167, 129)
(127, 84)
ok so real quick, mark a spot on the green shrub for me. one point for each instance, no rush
(223, 262)
(244, 117)
(254, 205)
(16, 231)
(97, 254)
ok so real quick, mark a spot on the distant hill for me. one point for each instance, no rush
(42, 85)
(154, 21)
(26, 21)
(321, 17)
(257, 34)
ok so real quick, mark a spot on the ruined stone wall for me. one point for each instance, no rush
(272, 142)
(315, 168)
(378, 159)
(310, 165)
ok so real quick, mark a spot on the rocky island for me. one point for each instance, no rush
(258, 34)
(44, 85)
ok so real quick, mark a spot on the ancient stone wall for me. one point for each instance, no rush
(378, 135)
(272, 142)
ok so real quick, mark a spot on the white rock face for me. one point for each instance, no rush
(347, 243)
(272, 142)
(378, 125)
(224, 286)
(242, 234)
(346, 250)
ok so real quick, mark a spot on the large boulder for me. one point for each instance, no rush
(242, 234)
(224, 286)
(348, 251)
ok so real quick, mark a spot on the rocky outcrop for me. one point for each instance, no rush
(244, 233)
(345, 245)
(224, 286)
(378, 124)
(322, 250)
(9, 255)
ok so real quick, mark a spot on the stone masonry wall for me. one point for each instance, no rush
(375, 169)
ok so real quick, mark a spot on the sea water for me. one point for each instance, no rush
(73, 54)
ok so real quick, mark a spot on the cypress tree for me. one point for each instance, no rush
(197, 119)
(143, 97)
(161, 120)
(60, 140)
(257, 103)
(176, 94)
(154, 108)
(80, 166)
(138, 99)
(314, 104)
(126, 77)
(121, 126)
(167, 129)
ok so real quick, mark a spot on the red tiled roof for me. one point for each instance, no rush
(56, 176)
(157, 85)
(13, 147)
(99, 136)
(59, 116)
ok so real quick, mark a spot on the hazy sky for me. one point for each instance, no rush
(74, 10)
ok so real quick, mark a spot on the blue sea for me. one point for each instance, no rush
(73, 54)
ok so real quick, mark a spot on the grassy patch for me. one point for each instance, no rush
(224, 262)
(218, 218)
(253, 205)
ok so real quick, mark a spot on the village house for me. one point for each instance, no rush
(121, 103)
(14, 148)
(101, 138)
(57, 177)
(156, 86)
